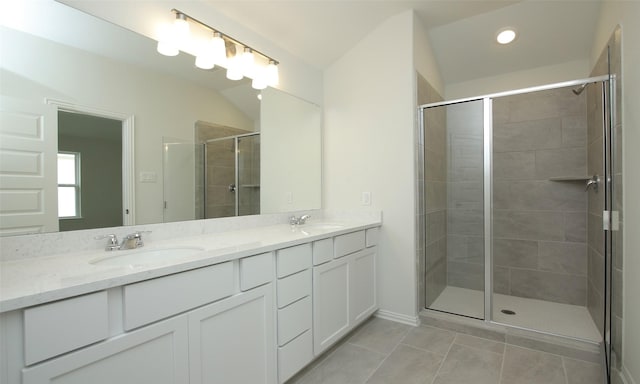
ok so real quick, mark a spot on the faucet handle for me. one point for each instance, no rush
(112, 241)
(136, 237)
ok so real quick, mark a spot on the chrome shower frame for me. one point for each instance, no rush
(608, 82)
(236, 142)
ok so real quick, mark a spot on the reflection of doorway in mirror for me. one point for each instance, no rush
(228, 171)
(97, 142)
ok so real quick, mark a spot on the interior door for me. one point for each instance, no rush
(28, 153)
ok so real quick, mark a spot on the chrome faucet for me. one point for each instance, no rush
(131, 241)
(299, 220)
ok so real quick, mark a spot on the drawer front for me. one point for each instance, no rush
(63, 326)
(255, 271)
(373, 236)
(349, 243)
(294, 287)
(152, 300)
(322, 251)
(294, 259)
(294, 356)
(293, 320)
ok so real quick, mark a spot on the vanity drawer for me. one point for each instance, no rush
(322, 251)
(373, 236)
(156, 299)
(294, 356)
(294, 287)
(349, 243)
(255, 271)
(293, 259)
(293, 320)
(62, 326)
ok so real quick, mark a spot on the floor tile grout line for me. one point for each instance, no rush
(564, 369)
(380, 364)
(404, 335)
(435, 376)
(504, 357)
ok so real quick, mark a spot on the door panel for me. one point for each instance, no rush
(28, 184)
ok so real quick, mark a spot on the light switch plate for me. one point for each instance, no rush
(366, 198)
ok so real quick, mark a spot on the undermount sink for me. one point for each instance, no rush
(146, 256)
(322, 226)
(311, 228)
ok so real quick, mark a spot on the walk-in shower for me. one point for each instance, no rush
(231, 176)
(517, 186)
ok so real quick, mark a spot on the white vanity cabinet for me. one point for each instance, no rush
(214, 324)
(157, 353)
(258, 319)
(344, 288)
(294, 303)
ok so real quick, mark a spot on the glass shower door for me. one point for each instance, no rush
(454, 207)
(248, 168)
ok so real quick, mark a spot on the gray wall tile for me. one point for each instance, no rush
(514, 165)
(563, 257)
(527, 135)
(515, 253)
(529, 225)
(560, 162)
(561, 288)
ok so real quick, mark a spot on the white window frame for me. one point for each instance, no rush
(76, 186)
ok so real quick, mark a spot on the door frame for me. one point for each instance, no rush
(128, 159)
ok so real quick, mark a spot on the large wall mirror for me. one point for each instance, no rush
(90, 111)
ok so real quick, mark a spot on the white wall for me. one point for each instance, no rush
(424, 58)
(572, 70)
(627, 14)
(290, 158)
(368, 146)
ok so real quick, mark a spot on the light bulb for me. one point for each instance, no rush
(247, 62)
(209, 54)
(218, 48)
(259, 81)
(166, 42)
(181, 28)
(234, 68)
(272, 76)
(506, 35)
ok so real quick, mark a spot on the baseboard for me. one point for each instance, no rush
(397, 317)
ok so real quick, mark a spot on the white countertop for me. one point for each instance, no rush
(33, 281)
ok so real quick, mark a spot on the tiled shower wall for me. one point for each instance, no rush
(431, 192)
(220, 172)
(540, 206)
(465, 195)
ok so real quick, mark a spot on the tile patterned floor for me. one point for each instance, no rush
(383, 351)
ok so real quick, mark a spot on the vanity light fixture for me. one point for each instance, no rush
(212, 52)
(506, 35)
(239, 59)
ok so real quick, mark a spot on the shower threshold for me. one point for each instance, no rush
(543, 316)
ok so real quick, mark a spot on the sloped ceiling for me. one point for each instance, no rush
(462, 32)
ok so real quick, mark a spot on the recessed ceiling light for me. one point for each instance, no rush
(506, 35)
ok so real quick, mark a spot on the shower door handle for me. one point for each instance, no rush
(232, 188)
(593, 182)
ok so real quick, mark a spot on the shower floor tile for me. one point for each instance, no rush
(561, 319)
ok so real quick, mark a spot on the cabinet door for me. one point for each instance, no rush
(233, 341)
(154, 354)
(362, 293)
(330, 303)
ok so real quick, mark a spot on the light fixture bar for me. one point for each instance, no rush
(224, 36)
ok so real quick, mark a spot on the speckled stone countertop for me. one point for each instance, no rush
(38, 280)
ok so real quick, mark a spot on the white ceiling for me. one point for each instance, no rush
(462, 32)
